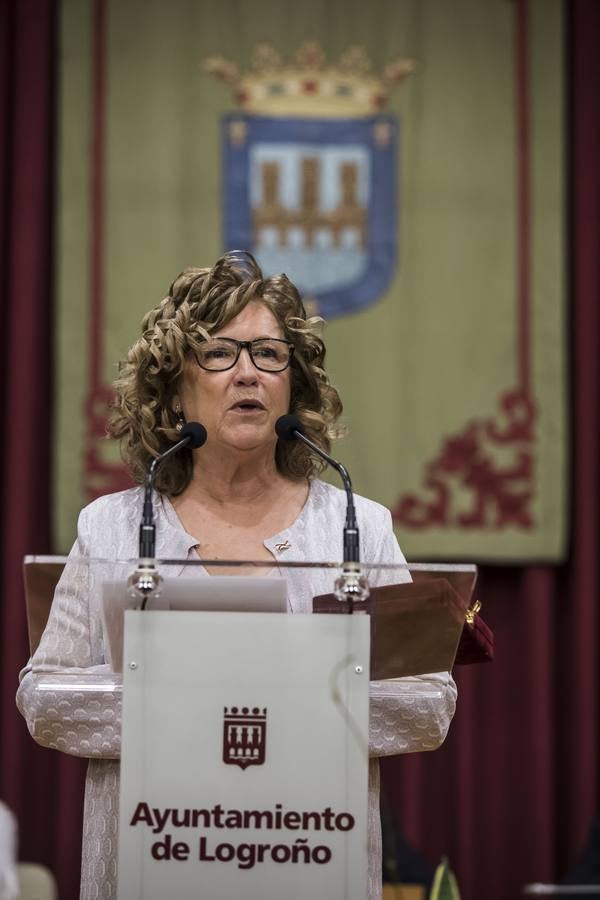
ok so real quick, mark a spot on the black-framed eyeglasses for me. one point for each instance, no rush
(267, 354)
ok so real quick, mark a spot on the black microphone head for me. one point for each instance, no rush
(195, 432)
(285, 426)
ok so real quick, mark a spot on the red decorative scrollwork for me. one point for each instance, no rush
(498, 493)
(101, 474)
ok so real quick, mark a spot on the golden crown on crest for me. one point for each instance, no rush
(311, 87)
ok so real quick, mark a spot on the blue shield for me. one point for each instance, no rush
(315, 199)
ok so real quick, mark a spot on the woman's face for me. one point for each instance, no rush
(238, 407)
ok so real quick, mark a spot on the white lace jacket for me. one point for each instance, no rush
(407, 715)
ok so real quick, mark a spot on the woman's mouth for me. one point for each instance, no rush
(246, 407)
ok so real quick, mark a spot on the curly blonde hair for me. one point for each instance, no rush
(199, 302)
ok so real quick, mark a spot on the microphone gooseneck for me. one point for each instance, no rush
(289, 428)
(193, 435)
(145, 580)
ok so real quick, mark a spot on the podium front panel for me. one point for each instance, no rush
(244, 757)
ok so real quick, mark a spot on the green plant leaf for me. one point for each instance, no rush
(444, 885)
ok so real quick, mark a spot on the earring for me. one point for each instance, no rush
(180, 420)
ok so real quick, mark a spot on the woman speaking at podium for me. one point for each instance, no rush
(235, 352)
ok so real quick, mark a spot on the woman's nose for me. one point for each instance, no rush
(245, 370)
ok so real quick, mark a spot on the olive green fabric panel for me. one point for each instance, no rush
(434, 354)
(72, 270)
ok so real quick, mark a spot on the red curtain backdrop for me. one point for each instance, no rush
(510, 795)
(43, 788)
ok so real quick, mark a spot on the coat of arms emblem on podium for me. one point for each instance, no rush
(244, 736)
(309, 172)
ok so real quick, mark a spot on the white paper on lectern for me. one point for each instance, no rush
(228, 593)
(310, 674)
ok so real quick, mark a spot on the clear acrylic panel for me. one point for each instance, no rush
(417, 609)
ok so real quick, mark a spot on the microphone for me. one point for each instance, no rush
(289, 428)
(146, 579)
(193, 435)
